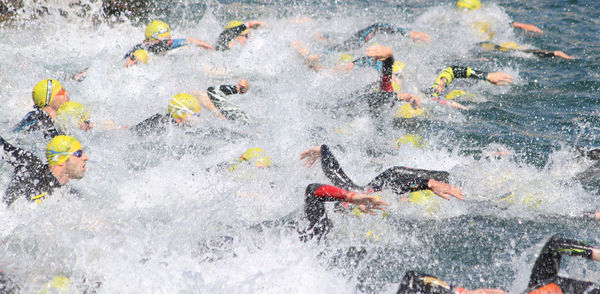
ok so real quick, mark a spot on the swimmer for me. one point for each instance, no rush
(510, 46)
(184, 108)
(72, 115)
(214, 99)
(363, 36)
(544, 275)
(236, 32)
(158, 41)
(470, 5)
(450, 73)
(399, 179)
(35, 179)
(48, 96)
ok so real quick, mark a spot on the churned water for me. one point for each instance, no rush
(154, 215)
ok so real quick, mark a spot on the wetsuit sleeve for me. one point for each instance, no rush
(333, 171)
(363, 36)
(386, 75)
(415, 282)
(366, 61)
(224, 89)
(540, 52)
(403, 179)
(227, 35)
(314, 209)
(18, 157)
(156, 124)
(446, 77)
(547, 265)
(178, 43)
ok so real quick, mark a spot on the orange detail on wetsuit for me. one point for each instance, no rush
(547, 289)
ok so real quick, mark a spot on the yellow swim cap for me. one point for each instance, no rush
(257, 155)
(141, 55)
(183, 105)
(346, 58)
(415, 140)
(71, 115)
(407, 111)
(44, 91)
(157, 29)
(508, 46)
(236, 23)
(468, 4)
(60, 283)
(60, 149)
(398, 67)
(455, 94)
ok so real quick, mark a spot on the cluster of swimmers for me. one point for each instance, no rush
(55, 116)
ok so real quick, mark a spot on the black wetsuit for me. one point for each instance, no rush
(228, 35)
(37, 120)
(158, 48)
(154, 125)
(363, 36)
(32, 177)
(384, 94)
(229, 110)
(543, 274)
(541, 53)
(449, 74)
(399, 179)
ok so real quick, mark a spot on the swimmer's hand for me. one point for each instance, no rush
(242, 86)
(300, 20)
(419, 36)
(562, 55)
(414, 101)
(310, 155)
(445, 190)
(379, 52)
(367, 203)
(527, 27)
(499, 78)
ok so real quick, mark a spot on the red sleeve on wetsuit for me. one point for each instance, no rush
(386, 75)
(333, 192)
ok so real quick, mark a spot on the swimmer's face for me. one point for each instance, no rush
(86, 125)
(76, 166)
(59, 99)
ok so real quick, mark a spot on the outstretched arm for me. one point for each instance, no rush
(547, 264)
(527, 27)
(415, 282)
(311, 60)
(200, 43)
(330, 165)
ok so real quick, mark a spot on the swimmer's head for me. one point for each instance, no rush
(141, 55)
(345, 58)
(49, 92)
(508, 46)
(157, 30)
(483, 28)
(237, 23)
(468, 4)
(60, 149)
(257, 156)
(73, 115)
(398, 67)
(183, 105)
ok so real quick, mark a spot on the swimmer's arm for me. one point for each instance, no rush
(129, 62)
(365, 203)
(526, 27)
(200, 43)
(253, 24)
(386, 55)
(547, 53)
(330, 165)
(419, 36)
(205, 102)
(311, 60)
(16, 156)
(496, 78)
